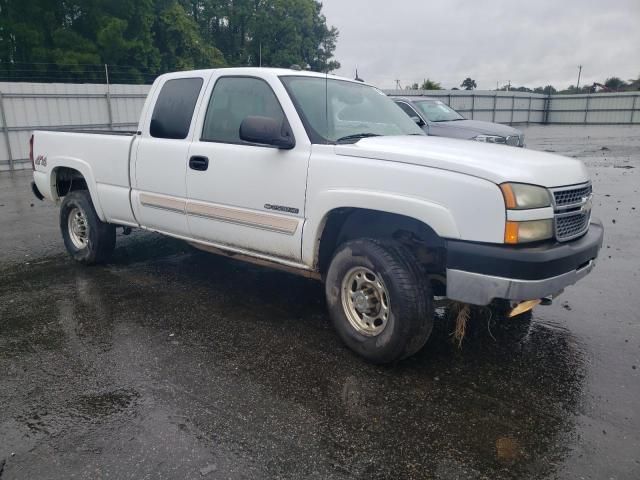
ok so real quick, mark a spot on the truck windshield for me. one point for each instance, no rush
(437, 111)
(339, 111)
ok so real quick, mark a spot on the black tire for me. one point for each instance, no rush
(410, 319)
(101, 237)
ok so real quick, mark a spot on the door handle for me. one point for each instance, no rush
(199, 163)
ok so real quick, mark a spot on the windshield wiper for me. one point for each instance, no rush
(357, 136)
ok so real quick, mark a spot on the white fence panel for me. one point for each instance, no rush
(29, 106)
(525, 107)
(26, 106)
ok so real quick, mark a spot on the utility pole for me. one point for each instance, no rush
(509, 86)
(579, 72)
(260, 55)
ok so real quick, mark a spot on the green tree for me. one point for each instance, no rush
(178, 39)
(548, 90)
(275, 33)
(614, 83)
(469, 83)
(69, 40)
(634, 84)
(430, 85)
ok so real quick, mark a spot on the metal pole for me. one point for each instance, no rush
(547, 107)
(513, 107)
(633, 108)
(495, 102)
(586, 109)
(529, 111)
(578, 84)
(108, 97)
(473, 104)
(6, 132)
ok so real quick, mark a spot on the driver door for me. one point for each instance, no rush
(247, 196)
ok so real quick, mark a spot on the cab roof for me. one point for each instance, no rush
(260, 72)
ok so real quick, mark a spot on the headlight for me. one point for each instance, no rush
(490, 139)
(529, 231)
(520, 196)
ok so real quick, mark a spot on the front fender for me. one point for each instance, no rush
(432, 214)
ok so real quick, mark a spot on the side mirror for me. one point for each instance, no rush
(418, 121)
(267, 131)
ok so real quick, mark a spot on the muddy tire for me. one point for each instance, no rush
(87, 239)
(379, 302)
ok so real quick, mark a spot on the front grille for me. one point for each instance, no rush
(513, 140)
(570, 226)
(572, 209)
(571, 196)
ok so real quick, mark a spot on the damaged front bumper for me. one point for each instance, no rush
(479, 273)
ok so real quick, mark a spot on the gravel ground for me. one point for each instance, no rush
(173, 364)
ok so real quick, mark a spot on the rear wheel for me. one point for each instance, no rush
(378, 300)
(87, 239)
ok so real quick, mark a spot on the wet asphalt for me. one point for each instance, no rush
(170, 363)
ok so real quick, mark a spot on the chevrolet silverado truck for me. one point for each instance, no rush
(327, 178)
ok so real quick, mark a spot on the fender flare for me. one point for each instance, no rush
(435, 216)
(85, 170)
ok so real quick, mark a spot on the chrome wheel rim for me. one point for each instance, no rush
(78, 228)
(365, 301)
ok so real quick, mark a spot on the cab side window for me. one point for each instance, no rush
(233, 99)
(172, 114)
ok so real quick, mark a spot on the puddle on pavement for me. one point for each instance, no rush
(194, 330)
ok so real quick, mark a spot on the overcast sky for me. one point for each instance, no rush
(532, 43)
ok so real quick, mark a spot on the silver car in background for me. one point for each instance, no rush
(438, 119)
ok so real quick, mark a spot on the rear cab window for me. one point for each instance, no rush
(174, 108)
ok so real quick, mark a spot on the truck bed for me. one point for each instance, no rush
(101, 157)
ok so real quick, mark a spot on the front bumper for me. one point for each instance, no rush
(479, 273)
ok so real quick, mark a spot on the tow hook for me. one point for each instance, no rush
(546, 300)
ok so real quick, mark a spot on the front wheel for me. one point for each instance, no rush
(87, 239)
(379, 302)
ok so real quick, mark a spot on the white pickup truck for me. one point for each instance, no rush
(328, 178)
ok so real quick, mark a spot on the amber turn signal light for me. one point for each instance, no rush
(511, 232)
(509, 196)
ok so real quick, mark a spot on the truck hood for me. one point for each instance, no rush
(471, 128)
(490, 162)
